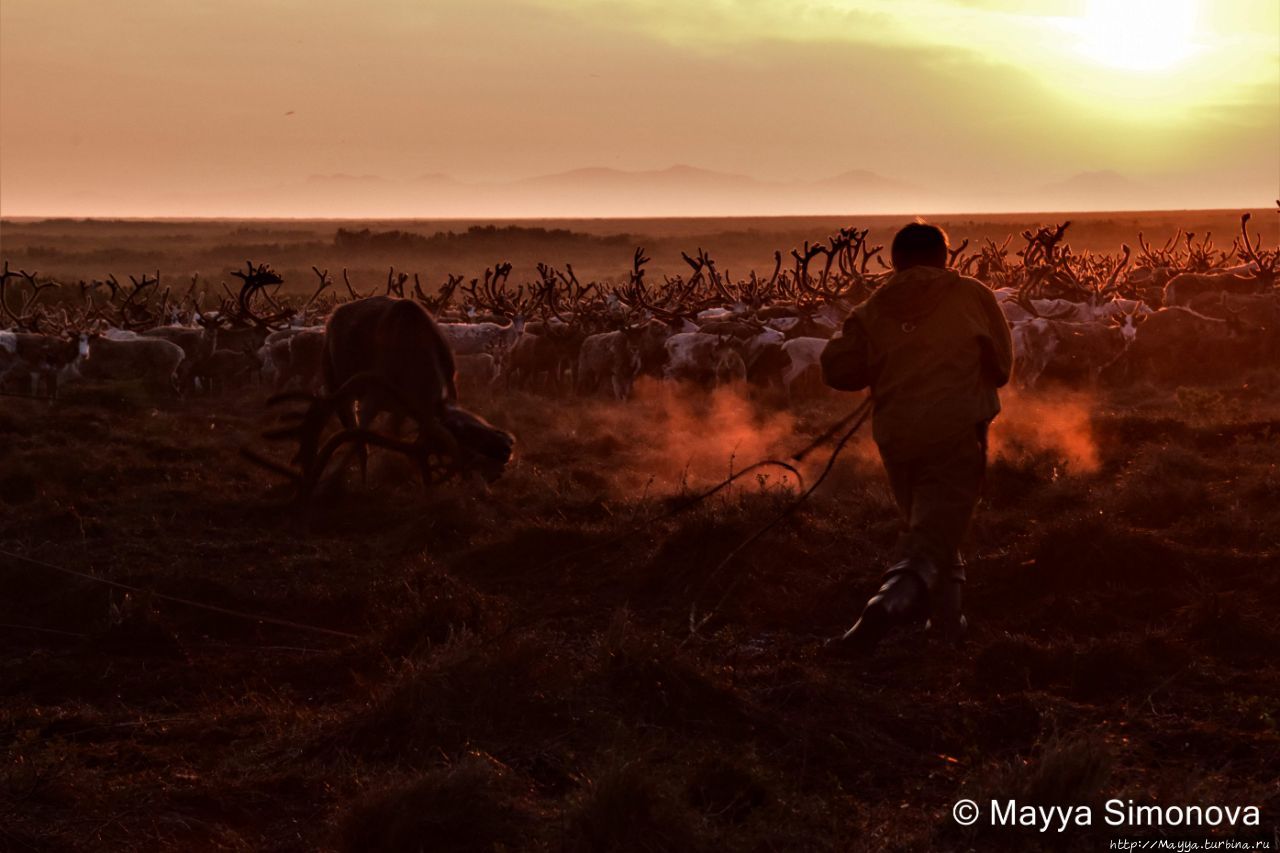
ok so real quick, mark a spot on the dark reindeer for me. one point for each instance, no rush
(386, 354)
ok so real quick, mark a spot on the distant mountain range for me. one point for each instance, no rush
(1094, 188)
(605, 192)
(678, 190)
(588, 192)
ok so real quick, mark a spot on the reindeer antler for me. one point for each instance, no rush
(1252, 253)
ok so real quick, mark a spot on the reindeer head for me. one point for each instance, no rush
(484, 447)
(1128, 323)
(498, 351)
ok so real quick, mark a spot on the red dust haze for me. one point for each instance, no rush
(667, 439)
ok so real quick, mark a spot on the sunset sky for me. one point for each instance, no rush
(236, 107)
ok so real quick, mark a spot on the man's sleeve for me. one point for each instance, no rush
(846, 359)
(997, 344)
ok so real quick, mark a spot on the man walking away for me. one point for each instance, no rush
(933, 346)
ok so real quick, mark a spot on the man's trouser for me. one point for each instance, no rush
(938, 493)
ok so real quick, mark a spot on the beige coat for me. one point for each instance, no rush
(933, 346)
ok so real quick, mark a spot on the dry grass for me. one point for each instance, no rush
(507, 694)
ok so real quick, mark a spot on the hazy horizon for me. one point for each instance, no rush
(635, 108)
(995, 216)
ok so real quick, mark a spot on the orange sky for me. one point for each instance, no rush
(235, 107)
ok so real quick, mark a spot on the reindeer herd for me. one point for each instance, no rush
(1186, 311)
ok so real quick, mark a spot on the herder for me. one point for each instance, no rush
(933, 346)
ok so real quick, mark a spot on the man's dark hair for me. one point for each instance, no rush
(919, 245)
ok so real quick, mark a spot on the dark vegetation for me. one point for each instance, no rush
(70, 249)
(1124, 640)
(490, 237)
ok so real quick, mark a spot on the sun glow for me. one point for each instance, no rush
(1139, 35)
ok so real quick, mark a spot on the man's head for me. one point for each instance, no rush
(919, 245)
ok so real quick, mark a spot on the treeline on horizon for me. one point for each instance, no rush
(346, 240)
(498, 236)
(70, 249)
(85, 252)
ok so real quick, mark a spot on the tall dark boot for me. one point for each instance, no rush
(946, 616)
(903, 596)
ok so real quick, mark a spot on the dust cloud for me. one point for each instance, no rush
(670, 438)
(1058, 424)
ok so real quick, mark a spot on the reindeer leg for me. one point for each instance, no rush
(346, 411)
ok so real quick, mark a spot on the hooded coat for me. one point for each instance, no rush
(933, 346)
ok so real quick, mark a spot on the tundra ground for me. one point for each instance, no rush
(508, 690)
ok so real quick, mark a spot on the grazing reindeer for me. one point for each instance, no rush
(803, 356)
(198, 343)
(482, 370)
(730, 367)
(387, 354)
(226, 369)
(400, 342)
(240, 327)
(40, 359)
(1186, 289)
(292, 354)
(610, 355)
(154, 361)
